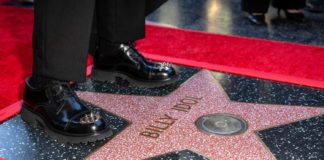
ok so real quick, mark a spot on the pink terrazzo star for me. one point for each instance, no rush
(165, 124)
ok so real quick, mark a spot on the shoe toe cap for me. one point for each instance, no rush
(92, 125)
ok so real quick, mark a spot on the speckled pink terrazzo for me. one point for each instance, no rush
(142, 111)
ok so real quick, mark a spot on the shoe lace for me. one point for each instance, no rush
(63, 91)
(58, 92)
(163, 66)
(131, 50)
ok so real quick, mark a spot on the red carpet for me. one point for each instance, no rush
(4, 1)
(286, 62)
(279, 61)
(15, 59)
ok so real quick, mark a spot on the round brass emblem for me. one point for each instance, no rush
(222, 124)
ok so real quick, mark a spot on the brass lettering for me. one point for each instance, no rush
(164, 127)
(162, 124)
(154, 130)
(150, 134)
(193, 98)
(181, 110)
(189, 101)
(165, 123)
(167, 117)
(182, 107)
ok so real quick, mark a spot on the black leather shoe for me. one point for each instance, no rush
(258, 19)
(58, 110)
(129, 65)
(316, 6)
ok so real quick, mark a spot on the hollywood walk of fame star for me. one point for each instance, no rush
(143, 111)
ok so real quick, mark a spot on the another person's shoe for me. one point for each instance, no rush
(57, 109)
(258, 19)
(293, 16)
(128, 64)
(316, 6)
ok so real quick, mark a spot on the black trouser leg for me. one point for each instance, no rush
(63, 28)
(127, 17)
(123, 20)
(261, 6)
(120, 20)
(255, 6)
(289, 4)
(61, 37)
(152, 5)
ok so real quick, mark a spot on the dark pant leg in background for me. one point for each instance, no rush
(61, 37)
(289, 4)
(152, 5)
(315, 5)
(255, 6)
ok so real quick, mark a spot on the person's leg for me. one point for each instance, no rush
(289, 4)
(256, 10)
(115, 54)
(150, 6)
(120, 20)
(61, 38)
(60, 41)
(255, 6)
(315, 6)
(292, 8)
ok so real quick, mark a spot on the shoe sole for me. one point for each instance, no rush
(36, 121)
(109, 76)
